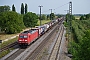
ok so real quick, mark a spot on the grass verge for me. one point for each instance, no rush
(8, 42)
(3, 53)
(43, 21)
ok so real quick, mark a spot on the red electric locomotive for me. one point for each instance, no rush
(27, 37)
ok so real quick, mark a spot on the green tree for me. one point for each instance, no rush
(30, 19)
(4, 8)
(11, 22)
(73, 17)
(22, 8)
(67, 17)
(87, 16)
(43, 17)
(82, 50)
(25, 8)
(59, 15)
(82, 18)
(48, 17)
(13, 8)
(52, 16)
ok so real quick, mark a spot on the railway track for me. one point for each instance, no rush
(56, 47)
(15, 54)
(8, 46)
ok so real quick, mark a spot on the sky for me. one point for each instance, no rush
(57, 6)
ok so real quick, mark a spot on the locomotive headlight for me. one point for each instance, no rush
(25, 40)
(25, 36)
(20, 40)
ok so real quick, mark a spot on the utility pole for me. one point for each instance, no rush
(70, 8)
(51, 14)
(54, 14)
(70, 24)
(51, 10)
(66, 14)
(40, 14)
(70, 16)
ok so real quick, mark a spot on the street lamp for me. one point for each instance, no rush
(51, 14)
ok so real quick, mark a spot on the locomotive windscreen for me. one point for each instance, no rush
(24, 36)
(21, 36)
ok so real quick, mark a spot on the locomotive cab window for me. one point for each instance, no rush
(21, 36)
(25, 36)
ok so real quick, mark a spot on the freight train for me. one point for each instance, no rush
(27, 37)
